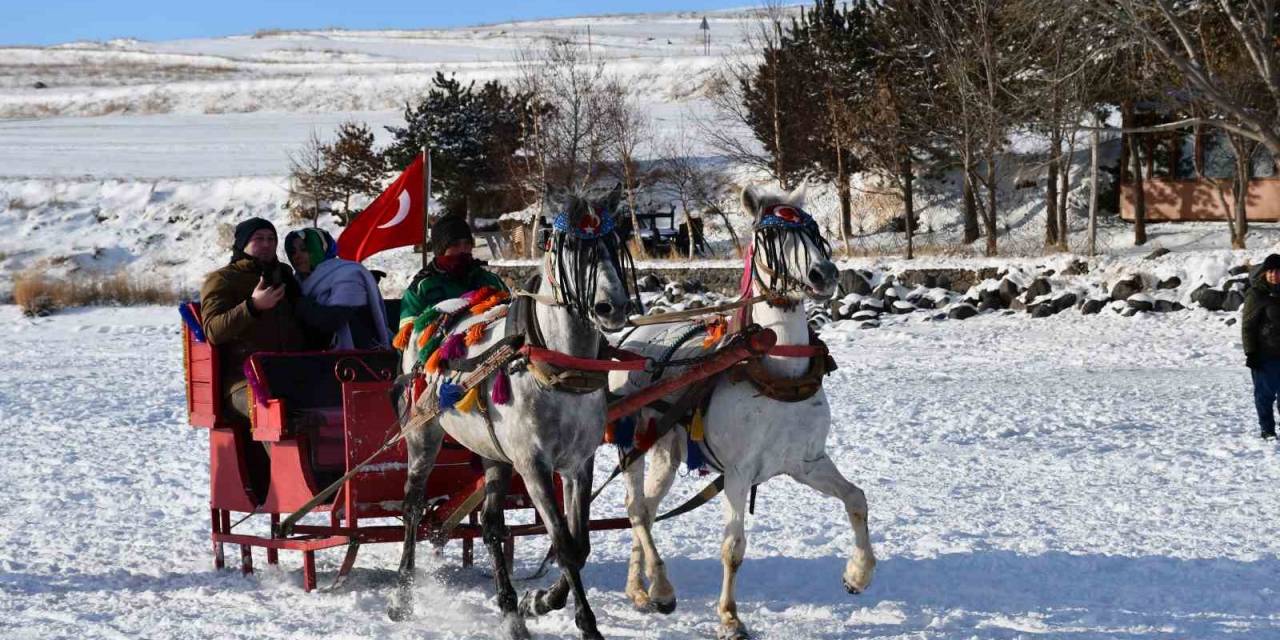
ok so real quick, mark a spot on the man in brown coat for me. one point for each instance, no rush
(248, 306)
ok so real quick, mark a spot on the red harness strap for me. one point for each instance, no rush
(582, 364)
(798, 350)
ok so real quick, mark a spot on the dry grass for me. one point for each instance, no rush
(39, 294)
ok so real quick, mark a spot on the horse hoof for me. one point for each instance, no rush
(736, 632)
(399, 614)
(665, 608)
(592, 635)
(513, 628)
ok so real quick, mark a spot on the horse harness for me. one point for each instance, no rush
(785, 389)
(521, 320)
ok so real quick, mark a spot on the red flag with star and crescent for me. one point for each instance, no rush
(393, 219)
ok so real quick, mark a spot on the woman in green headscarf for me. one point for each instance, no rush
(340, 298)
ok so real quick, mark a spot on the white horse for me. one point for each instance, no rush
(546, 428)
(751, 437)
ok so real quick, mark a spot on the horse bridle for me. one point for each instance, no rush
(777, 222)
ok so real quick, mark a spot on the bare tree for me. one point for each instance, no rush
(568, 136)
(697, 183)
(726, 128)
(632, 128)
(352, 167)
(310, 192)
(1174, 28)
(1227, 56)
(572, 135)
(984, 48)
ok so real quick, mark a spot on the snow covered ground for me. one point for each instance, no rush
(1077, 476)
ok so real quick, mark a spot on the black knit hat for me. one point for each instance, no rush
(1272, 262)
(448, 230)
(246, 229)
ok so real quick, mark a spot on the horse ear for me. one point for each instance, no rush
(612, 200)
(751, 202)
(797, 196)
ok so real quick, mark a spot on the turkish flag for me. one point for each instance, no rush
(392, 220)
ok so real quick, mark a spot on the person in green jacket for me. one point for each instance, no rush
(1260, 332)
(450, 274)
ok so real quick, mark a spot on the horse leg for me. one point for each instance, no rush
(644, 496)
(538, 482)
(635, 502)
(823, 476)
(497, 480)
(423, 445)
(734, 548)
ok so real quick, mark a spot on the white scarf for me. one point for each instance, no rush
(343, 283)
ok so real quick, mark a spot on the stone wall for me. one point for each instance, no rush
(725, 279)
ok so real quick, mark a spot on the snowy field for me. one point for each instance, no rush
(1073, 477)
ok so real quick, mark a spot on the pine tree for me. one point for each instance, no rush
(352, 167)
(471, 134)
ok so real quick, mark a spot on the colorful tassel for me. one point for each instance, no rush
(694, 460)
(427, 334)
(490, 302)
(469, 401)
(624, 432)
(475, 334)
(645, 437)
(433, 362)
(500, 392)
(453, 347)
(449, 394)
(477, 295)
(430, 348)
(255, 383)
(401, 340)
(695, 427)
(715, 333)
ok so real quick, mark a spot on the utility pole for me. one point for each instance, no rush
(706, 37)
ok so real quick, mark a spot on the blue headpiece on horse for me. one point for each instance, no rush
(590, 226)
(787, 217)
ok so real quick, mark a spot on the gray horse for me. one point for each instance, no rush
(547, 427)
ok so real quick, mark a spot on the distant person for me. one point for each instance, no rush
(1260, 329)
(248, 306)
(340, 303)
(450, 274)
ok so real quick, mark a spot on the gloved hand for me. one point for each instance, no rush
(1253, 362)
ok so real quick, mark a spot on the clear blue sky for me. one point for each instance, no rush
(54, 21)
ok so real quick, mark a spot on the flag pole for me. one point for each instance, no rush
(426, 208)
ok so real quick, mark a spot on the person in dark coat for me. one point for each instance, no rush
(248, 306)
(1260, 329)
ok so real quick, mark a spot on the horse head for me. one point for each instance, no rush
(587, 264)
(789, 253)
